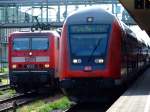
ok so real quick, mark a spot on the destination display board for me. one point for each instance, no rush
(102, 28)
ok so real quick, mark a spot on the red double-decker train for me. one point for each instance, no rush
(98, 54)
(33, 57)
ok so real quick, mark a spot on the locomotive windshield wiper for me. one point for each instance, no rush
(91, 55)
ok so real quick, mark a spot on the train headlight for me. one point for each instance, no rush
(75, 61)
(99, 61)
(14, 66)
(30, 53)
(79, 60)
(46, 65)
(90, 19)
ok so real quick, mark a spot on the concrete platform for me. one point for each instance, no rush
(136, 98)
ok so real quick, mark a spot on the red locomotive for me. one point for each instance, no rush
(97, 54)
(33, 57)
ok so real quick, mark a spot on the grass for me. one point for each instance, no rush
(41, 106)
(1, 93)
(11, 92)
(31, 107)
(7, 93)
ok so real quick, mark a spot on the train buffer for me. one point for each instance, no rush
(136, 98)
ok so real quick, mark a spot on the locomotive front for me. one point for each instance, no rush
(86, 53)
(31, 60)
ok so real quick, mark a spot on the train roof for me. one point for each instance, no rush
(98, 14)
(35, 32)
(133, 34)
(26, 32)
(128, 30)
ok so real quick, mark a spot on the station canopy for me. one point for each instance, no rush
(140, 11)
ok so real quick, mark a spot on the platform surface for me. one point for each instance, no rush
(136, 98)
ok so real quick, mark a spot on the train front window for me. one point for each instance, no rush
(40, 43)
(21, 44)
(84, 44)
(88, 42)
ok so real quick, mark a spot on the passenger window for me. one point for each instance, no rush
(57, 43)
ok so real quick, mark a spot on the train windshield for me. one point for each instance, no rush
(84, 44)
(87, 40)
(40, 43)
(31, 43)
(21, 44)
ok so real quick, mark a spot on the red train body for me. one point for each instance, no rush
(97, 54)
(33, 57)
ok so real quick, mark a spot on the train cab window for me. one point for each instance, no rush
(85, 38)
(88, 42)
(21, 44)
(40, 44)
(83, 45)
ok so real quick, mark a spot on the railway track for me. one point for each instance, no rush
(101, 106)
(15, 101)
(88, 107)
(3, 75)
(4, 87)
(22, 99)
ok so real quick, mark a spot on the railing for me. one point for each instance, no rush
(55, 2)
